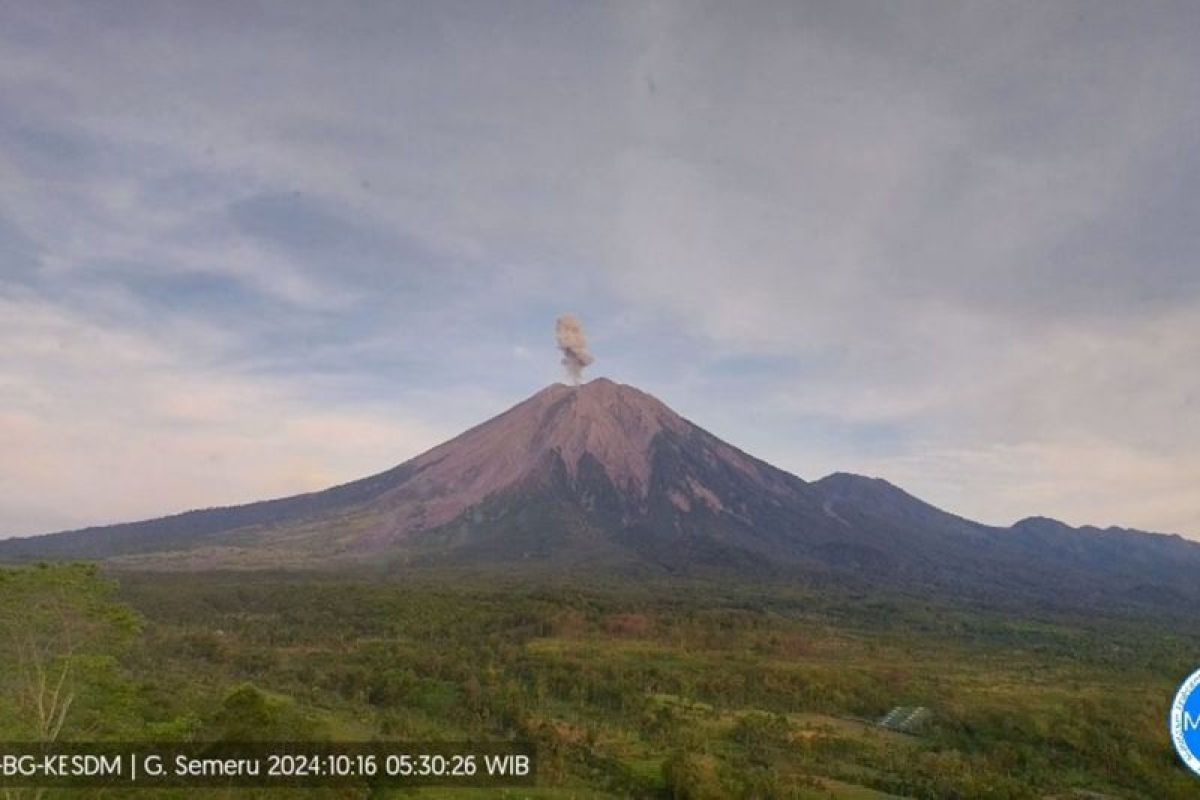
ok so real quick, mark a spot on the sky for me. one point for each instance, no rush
(254, 249)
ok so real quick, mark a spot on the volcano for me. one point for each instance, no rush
(605, 476)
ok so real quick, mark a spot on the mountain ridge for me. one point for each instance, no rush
(603, 472)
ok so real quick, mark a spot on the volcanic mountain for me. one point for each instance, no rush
(603, 475)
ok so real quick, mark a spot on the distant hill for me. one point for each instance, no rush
(604, 476)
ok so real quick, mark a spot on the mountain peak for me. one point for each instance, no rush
(1040, 524)
(602, 472)
(612, 422)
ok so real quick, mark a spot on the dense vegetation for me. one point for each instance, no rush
(683, 689)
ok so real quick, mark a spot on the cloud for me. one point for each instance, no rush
(105, 426)
(897, 236)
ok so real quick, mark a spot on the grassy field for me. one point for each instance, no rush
(676, 689)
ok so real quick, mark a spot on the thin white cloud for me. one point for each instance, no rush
(100, 425)
(969, 230)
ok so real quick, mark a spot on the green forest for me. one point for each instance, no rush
(665, 689)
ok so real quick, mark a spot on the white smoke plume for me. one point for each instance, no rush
(569, 332)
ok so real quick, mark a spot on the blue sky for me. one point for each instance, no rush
(254, 249)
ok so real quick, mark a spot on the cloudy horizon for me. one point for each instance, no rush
(250, 250)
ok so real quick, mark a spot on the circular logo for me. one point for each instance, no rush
(1185, 722)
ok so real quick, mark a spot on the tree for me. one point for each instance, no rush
(61, 632)
(690, 776)
(248, 714)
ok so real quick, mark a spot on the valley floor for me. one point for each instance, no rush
(680, 689)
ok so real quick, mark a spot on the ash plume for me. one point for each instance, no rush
(568, 331)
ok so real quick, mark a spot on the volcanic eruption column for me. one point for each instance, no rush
(573, 344)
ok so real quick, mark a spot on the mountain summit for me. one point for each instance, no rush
(601, 460)
(605, 475)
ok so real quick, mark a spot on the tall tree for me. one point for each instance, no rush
(61, 631)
